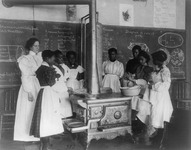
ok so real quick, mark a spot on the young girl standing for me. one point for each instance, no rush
(76, 78)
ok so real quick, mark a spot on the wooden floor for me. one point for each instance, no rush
(179, 133)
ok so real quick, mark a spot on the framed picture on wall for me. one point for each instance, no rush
(71, 12)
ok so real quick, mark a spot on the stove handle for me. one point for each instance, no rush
(90, 121)
(78, 129)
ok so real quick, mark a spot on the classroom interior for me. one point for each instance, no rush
(73, 25)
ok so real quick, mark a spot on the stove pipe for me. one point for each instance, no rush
(10, 3)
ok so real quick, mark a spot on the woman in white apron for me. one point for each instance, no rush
(29, 89)
(76, 78)
(113, 71)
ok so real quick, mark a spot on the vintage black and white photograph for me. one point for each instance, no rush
(95, 75)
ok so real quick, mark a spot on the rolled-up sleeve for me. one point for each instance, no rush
(122, 71)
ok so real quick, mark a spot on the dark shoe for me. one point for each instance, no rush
(136, 139)
(154, 134)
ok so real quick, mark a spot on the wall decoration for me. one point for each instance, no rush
(126, 15)
(142, 45)
(10, 53)
(177, 57)
(177, 61)
(71, 12)
(171, 40)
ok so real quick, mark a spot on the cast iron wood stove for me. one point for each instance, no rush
(107, 116)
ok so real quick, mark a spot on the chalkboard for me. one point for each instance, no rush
(150, 39)
(13, 36)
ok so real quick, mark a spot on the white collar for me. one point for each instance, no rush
(113, 61)
(45, 64)
(32, 53)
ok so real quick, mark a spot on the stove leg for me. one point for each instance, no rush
(131, 134)
(87, 145)
(85, 140)
(133, 140)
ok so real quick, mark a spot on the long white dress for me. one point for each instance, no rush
(28, 64)
(159, 98)
(72, 82)
(112, 72)
(61, 88)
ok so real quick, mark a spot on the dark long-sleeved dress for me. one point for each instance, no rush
(132, 65)
(143, 72)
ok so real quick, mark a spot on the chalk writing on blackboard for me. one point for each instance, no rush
(10, 53)
(133, 32)
(60, 37)
(14, 27)
(11, 31)
(109, 40)
(46, 42)
(9, 77)
(9, 73)
(170, 40)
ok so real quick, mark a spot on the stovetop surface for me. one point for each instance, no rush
(103, 97)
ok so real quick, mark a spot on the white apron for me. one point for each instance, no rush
(112, 72)
(112, 81)
(50, 122)
(62, 90)
(72, 82)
